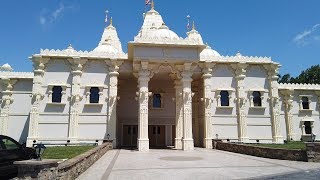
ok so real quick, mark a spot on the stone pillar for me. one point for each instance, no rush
(274, 102)
(76, 97)
(179, 115)
(288, 99)
(37, 96)
(240, 71)
(5, 105)
(207, 100)
(113, 98)
(187, 142)
(143, 80)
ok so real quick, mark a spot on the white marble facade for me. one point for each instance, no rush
(166, 91)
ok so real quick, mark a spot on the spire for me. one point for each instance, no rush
(110, 22)
(193, 26)
(152, 5)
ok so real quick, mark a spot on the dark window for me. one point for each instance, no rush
(156, 101)
(305, 102)
(307, 127)
(224, 98)
(9, 144)
(154, 130)
(94, 95)
(256, 98)
(56, 94)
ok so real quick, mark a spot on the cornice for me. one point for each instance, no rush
(16, 75)
(299, 86)
(82, 54)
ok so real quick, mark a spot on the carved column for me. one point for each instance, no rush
(274, 102)
(37, 96)
(143, 80)
(187, 142)
(179, 115)
(240, 72)
(6, 101)
(76, 97)
(207, 100)
(288, 99)
(112, 112)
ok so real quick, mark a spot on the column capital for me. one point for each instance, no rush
(240, 70)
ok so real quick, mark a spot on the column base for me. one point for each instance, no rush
(244, 139)
(143, 145)
(187, 145)
(277, 139)
(114, 143)
(207, 143)
(290, 137)
(178, 143)
(30, 140)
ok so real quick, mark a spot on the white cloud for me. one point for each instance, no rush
(50, 17)
(308, 35)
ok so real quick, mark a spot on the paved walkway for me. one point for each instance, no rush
(198, 164)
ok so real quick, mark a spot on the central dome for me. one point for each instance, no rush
(164, 33)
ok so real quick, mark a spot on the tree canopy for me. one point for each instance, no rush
(310, 75)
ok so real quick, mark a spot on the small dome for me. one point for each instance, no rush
(208, 53)
(106, 47)
(164, 33)
(70, 49)
(194, 35)
(6, 67)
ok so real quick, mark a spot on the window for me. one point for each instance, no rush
(307, 127)
(224, 98)
(94, 95)
(156, 101)
(9, 144)
(305, 102)
(256, 98)
(56, 94)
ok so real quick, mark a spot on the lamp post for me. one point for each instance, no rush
(39, 150)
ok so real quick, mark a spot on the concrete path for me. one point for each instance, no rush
(198, 164)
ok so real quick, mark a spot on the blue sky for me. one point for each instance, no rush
(286, 30)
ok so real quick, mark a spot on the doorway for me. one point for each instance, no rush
(157, 136)
(130, 135)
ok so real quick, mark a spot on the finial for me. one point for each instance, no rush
(110, 22)
(193, 26)
(152, 4)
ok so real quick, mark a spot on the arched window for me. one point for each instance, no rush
(156, 101)
(305, 103)
(56, 94)
(307, 127)
(224, 98)
(94, 95)
(256, 98)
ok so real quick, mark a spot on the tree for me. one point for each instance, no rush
(310, 75)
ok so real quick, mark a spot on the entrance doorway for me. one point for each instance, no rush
(130, 135)
(157, 136)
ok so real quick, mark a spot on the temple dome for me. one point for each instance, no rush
(6, 67)
(207, 54)
(106, 47)
(164, 33)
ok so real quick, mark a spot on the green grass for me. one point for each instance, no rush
(64, 152)
(290, 145)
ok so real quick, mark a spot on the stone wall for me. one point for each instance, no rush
(273, 153)
(69, 169)
(313, 152)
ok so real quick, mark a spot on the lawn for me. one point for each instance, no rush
(64, 152)
(290, 145)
